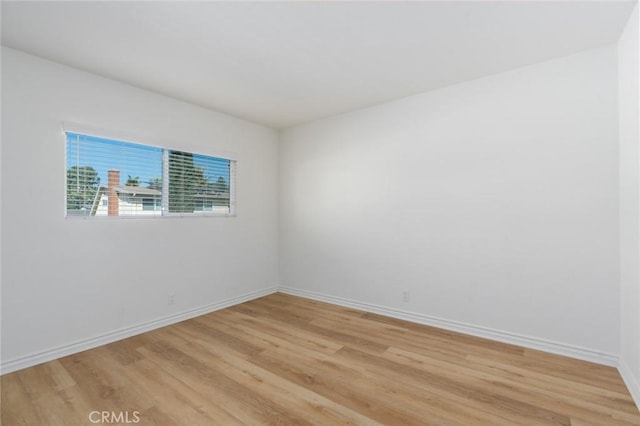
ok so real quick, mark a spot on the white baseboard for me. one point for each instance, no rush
(103, 339)
(474, 330)
(498, 335)
(632, 382)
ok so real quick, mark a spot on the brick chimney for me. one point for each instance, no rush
(113, 206)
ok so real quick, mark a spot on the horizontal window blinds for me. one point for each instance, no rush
(198, 183)
(107, 177)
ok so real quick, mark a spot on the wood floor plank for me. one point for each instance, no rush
(76, 401)
(17, 404)
(282, 359)
(453, 383)
(342, 387)
(297, 399)
(520, 390)
(615, 400)
(176, 399)
(285, 332)
(245, 403)
(106, 390)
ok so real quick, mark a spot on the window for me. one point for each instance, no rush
(106, 177)
(151, 204)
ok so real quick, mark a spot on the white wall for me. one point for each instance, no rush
(629, 128)
(66, 280)
(494, 202)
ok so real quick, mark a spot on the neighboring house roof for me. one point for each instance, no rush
(137, 190)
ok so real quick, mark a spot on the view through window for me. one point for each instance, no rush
(107, 177)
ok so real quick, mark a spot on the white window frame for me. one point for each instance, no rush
(69, 127)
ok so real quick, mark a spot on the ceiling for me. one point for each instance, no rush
(285, 63)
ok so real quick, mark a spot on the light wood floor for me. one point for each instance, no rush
(287, 360)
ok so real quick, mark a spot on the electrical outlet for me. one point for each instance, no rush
(405, 295)
(171, 299)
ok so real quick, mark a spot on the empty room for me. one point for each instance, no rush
(385, 212)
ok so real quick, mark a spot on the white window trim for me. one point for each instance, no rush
(71, 127)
